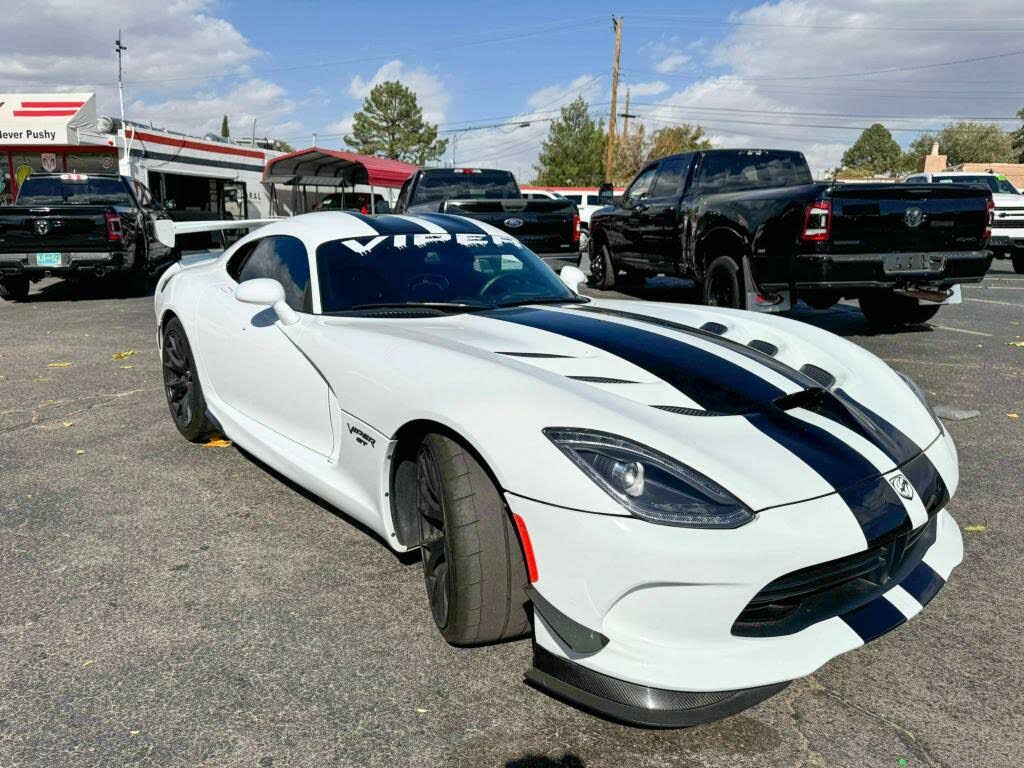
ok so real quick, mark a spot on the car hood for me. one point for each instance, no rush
(772, 409)
(1003, 200)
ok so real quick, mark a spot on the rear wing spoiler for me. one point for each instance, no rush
(167, 230)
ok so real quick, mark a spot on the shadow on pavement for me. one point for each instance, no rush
(568, 760)
(86, 290)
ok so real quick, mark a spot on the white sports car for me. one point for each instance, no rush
(686, 507)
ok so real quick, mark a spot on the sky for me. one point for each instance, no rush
(792, 73)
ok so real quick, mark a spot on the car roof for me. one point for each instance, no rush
(323, 226)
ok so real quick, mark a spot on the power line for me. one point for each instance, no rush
(783, 113)
(854, 27)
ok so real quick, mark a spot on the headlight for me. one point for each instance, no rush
(924, 400)
(650, 484)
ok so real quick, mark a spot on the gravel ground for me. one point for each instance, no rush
(163, 604)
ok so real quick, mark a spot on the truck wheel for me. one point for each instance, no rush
(472, 564)
(181, 383)
(723, 284)
(1018, 263)
(14, 288)
(584, 239)
(890, 310)
(602, 268)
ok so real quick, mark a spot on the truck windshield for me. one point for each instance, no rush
(752, 169)
(464, 184)
(88, 190)
(458, 271)
(994, 183)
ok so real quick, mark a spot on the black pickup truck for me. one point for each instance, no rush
(753, 229)
(492, 196)
(77, 225)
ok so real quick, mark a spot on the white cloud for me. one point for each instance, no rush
(671, 63)
(431, 93)
(179, 55)
(774, 56)
(639, 90)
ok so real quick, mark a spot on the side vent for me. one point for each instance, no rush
(600, 380)
(532, 354)
(685, 411)
(716, 328)
(820, 375)
(764, 347)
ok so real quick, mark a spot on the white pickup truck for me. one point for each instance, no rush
(586, 199)
(1007, 241)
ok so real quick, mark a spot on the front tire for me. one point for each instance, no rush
(181, 385)
(1018, 263)
(723, 285)
(886, 310)
(14, 288)
(473, 567)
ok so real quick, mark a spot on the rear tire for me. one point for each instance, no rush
(1018, 263)
(602, 268)
(723, 284)
(181, 385)
(14, 288)
(890, 310)
(473, 566)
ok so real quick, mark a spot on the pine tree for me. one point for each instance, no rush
(875, 151)
(391, 124)
(224, 130)
(573, 152)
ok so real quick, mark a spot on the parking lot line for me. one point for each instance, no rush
(960, 330)
(990, 301)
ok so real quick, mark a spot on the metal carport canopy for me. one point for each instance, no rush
(334, 168)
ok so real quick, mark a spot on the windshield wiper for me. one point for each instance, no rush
(546, 300)
(452, 306)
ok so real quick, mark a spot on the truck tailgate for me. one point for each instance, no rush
(898, 218)
(538, 224)
(63, 228)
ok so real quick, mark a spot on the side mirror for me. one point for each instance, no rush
(265, 292)
(572, 277)
(164, 231)
(170, 205)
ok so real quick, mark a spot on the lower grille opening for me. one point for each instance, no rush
(799, 599)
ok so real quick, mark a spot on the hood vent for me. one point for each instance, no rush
(716, 328)
(544, 355)
(684, 411)
(600, 380)
(820, 375)
(763, 346)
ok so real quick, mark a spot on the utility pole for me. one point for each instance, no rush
(120, 93)
(625, 117)
(617, 26)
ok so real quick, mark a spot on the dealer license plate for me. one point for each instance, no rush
(896, 263)
(48, 259)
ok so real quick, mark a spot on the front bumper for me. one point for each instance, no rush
(1005, 243)
(868, 270)
(72, 263)
(665, 601)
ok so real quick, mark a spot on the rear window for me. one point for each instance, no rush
(459, 184)
(752, 169)
(89, 190)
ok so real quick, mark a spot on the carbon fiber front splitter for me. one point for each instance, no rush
(638, 704)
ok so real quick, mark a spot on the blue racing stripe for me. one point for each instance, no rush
(386, 224)
(454, 224)
(874, 619)
(928, 483)
(708, 379)
(923, 583)
(879, 511)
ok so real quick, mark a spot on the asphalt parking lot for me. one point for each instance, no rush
(165, 604)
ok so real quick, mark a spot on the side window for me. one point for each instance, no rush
(578, 199)
(280, 258)
(641, 185)
(671, 175)
(403, 196)
(915, 180)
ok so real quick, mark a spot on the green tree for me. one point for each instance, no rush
(224, 130)
(967, 143)
(391, 124)
(875, 151)
(676, 139)
(573, 152)
(1017, 138)
(629, 155)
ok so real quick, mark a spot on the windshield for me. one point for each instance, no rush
(998, 184)
(464, 184)
(465, 271)
(89, 190)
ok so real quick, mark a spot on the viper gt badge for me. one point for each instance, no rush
(682, 521)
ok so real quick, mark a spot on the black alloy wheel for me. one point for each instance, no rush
(722, 284)
(181, 385)
(434, 547)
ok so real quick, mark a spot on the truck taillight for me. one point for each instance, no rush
(113, 227)
(817, 221)
(576, 228)
(990, 215)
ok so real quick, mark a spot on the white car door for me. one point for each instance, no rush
(253, 362)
